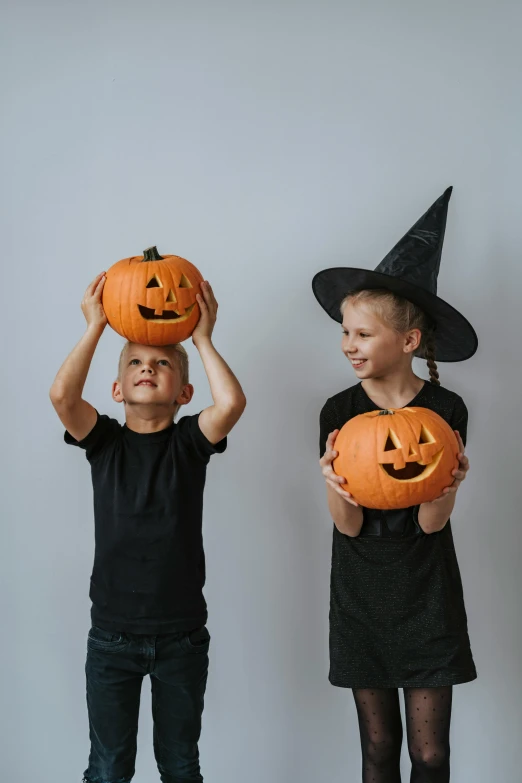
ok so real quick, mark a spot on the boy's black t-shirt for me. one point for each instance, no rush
(149, 563)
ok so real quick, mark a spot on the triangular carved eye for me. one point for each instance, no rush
(425, 436)
(172, 296)
(154, 282)
(392, 442)
(185, 282)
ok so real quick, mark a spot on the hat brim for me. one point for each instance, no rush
(455, 338)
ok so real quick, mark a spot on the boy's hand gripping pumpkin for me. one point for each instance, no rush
(92, 306)
(209, 307)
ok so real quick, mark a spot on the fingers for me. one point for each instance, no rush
(208, 292)
(328, 456)
(326, 464)
(330, 453)
(444, 494)
(202, 304)
(449, 490)
(207, 297)
(99, 288)
(333, 478)
(460, 442)
(460, 475)
(342, 493)
(330, 474)
(461, 471)
(331, 440)
(326, 461)
(335, 485)
(92, 287)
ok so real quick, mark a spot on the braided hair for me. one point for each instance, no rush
(402, 315)
(429, 354)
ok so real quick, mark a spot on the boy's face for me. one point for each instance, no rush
(151, 376)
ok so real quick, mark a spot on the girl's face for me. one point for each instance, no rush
(373, 348)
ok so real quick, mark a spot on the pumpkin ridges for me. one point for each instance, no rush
(128, 284)
(119, 301)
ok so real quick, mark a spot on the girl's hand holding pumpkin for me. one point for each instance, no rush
(332, 479)
(92, 306)
(209, 307)
(459, 473)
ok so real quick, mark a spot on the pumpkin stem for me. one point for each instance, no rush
(385, 413)
(151, 254)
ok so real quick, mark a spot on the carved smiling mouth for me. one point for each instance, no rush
(413, 470)
(149, 314)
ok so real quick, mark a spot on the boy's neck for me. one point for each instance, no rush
(147, 420)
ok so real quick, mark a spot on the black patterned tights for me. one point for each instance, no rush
(428, 716)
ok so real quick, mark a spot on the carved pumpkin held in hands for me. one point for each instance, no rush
(396, 458)
(151, 299)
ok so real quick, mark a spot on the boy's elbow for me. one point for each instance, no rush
(236, 410)
(60, 396)
(235, 405)
(57, 395)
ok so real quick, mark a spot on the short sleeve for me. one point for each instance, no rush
(104, 432)
(189, 435)
(459, 418)
(327, 424)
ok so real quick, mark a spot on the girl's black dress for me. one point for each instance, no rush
(397, 615)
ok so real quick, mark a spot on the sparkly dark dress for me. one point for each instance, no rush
(397, 615)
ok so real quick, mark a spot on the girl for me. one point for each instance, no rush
(397, 615)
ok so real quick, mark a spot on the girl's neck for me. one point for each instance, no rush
(393, 391)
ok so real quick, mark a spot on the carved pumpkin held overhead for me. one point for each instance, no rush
(396, 458)
(151, 299)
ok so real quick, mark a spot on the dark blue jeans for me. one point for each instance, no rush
(115, 667)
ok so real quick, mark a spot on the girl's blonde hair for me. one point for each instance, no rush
(181, 357)
(401, 315)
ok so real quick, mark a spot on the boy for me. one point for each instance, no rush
(148, 610)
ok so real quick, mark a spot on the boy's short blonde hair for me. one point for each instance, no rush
(181, 357)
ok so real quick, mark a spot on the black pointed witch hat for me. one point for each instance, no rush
(410, 270)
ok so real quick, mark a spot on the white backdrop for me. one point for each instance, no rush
(263, 141)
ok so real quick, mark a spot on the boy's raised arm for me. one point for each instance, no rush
(77, 415)
(216, 421)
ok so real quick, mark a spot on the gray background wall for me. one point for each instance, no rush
(263, 141)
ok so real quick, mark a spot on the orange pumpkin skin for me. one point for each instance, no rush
(396, 458)
(151, 299)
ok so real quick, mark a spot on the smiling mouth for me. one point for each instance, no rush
(149, 314)
(413, 470)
